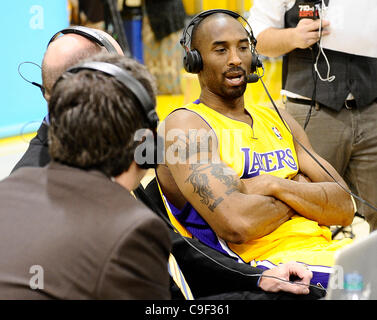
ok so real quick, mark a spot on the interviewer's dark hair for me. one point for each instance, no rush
(93, 117)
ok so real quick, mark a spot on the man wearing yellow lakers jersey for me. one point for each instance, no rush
(235, 179)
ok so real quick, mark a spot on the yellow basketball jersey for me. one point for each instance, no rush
(264, 147)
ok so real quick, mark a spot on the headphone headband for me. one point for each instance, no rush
(192, 60)
(143, 99)
(129, 82)
(202, 15)
(88, 33)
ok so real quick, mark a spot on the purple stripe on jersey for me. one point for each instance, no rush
(196, 225)
(320, 277)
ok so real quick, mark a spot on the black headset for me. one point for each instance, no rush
(88, 33)
(138, 91)
(192, 60)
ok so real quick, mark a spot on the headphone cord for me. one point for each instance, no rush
(320, 47)
(27, 80)
(311, 155)
(312, 102)
(141, 194)
(315, 71)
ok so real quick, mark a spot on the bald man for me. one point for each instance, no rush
(62, 53)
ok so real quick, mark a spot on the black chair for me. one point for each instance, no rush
(347, 231)
(209, 273)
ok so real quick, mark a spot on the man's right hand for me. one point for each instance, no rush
(287, 271)
(306, 32)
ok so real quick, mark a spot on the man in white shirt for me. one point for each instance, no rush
(332, 95)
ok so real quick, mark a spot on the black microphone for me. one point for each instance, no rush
(252, 78)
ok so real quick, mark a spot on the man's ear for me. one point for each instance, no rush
(47, 96)
(131, 178)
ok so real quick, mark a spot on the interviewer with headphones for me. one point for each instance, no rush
(72, 229)
(65, 48)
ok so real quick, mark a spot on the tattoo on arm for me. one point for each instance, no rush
(222, 173)
(199, 180)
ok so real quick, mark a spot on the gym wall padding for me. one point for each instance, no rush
(27, 27)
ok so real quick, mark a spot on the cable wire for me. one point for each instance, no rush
(321, 51)
(312, 156)
(141, 194)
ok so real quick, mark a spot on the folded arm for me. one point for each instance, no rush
(322, 200)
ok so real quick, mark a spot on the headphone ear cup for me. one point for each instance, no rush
(192, 61)
(255, 62)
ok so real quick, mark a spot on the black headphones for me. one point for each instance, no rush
(192, 60)
(139, 92)
(88, 33)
